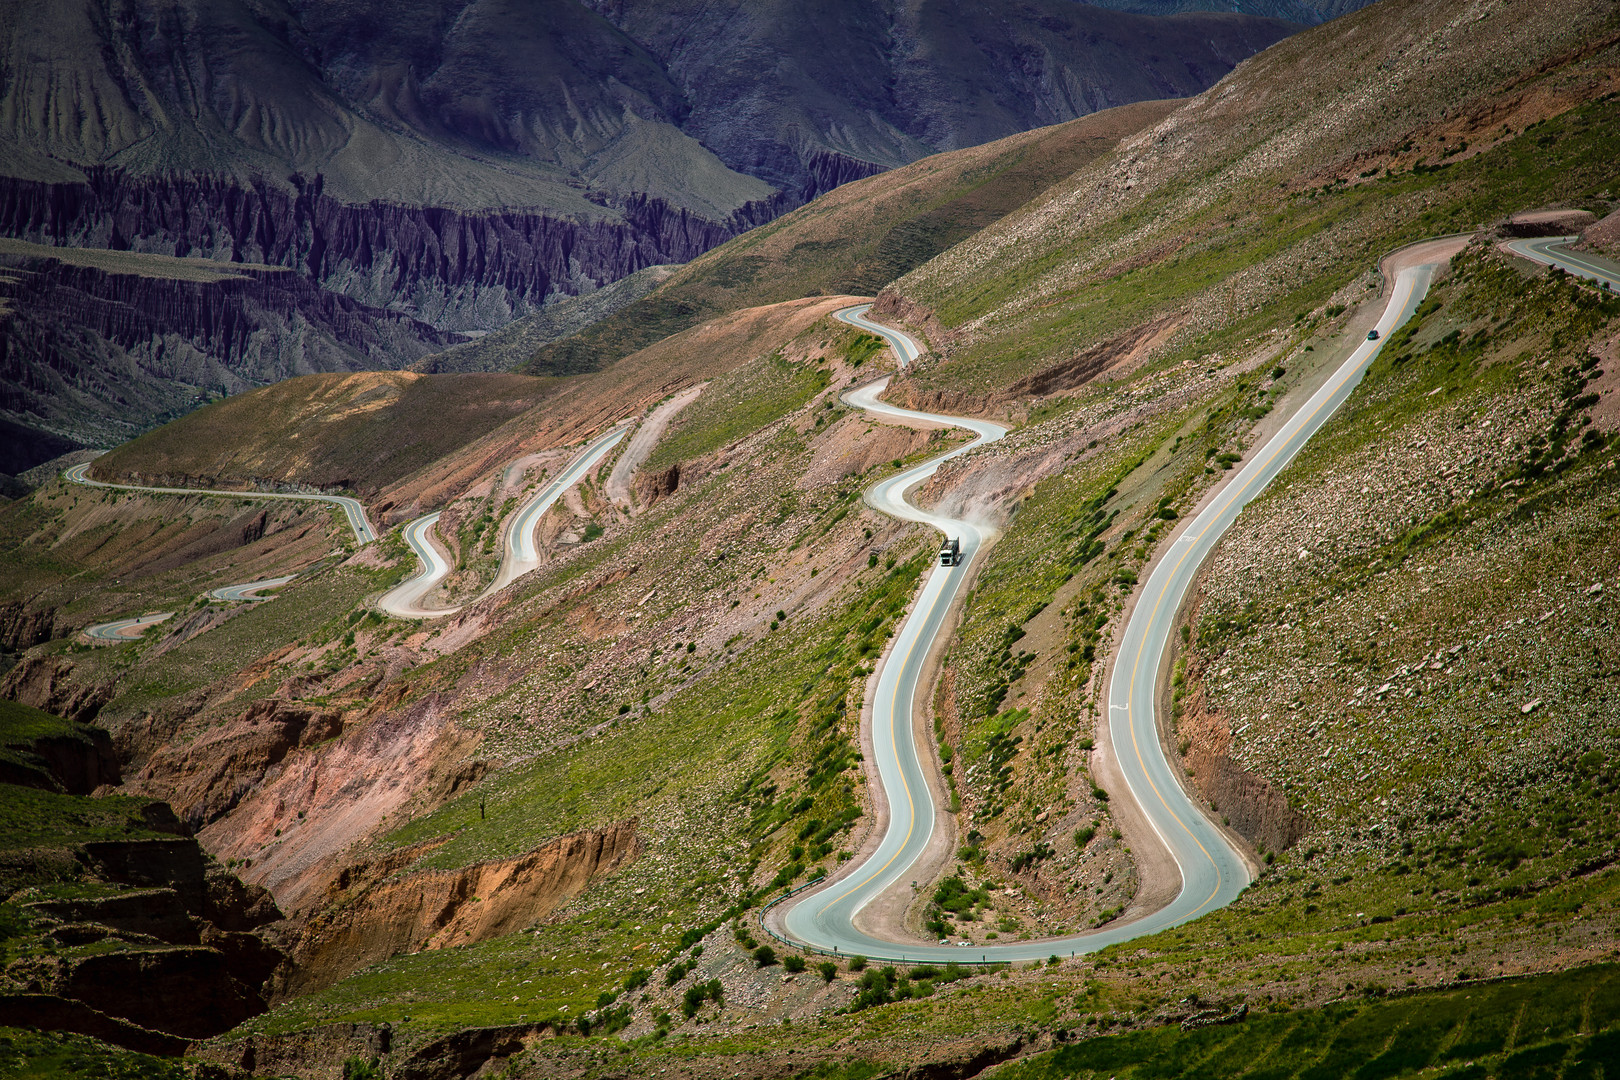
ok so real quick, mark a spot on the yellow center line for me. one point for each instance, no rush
(1229, 498)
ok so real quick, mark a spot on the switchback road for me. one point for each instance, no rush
(520, 555)
(1551, 251)
(1213, 872)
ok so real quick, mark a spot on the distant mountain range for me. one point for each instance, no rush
(457, 163)
(1309, 12)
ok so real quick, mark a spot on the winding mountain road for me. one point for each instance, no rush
(248, 591)
(1552, 251)
(1213, 872)
(520, 556)
(126, 629)
(352, 510)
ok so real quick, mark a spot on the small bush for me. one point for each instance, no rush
(362, 1068)
(857, 963)
(828, 969)
(764, 956)
(793, 962)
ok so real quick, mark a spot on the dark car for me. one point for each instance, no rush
(1372, 335)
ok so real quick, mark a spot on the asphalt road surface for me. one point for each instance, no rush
(1213, 872)
(1550, 251)
(126, 629)
(249, 590)
(356, 514)
(405, 600)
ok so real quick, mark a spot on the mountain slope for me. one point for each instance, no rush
(460, 163)
(857, 238)
(1289, 175)
(1397, 682)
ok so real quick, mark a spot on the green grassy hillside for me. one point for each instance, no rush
(1249, 207)
(856, 238)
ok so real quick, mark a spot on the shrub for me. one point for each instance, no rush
(362, 1068)
(764, 956)
(857, 963)
(793, 962)
(828, 969)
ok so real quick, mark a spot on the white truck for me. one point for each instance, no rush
(950, 552)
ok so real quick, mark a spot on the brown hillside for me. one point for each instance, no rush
(859, 237)
(359, 432)
(572, 408)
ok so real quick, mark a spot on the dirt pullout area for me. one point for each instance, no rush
(370, 915)
(641, 444)
(1548, 222)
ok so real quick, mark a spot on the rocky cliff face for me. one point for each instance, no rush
(370, 914)
(153, 944)
(452, 268)
(96, 357)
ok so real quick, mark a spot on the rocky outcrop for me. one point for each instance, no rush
(156, 913)
(51, 1013)
(178, 954)
(206, 778)
(190, 992)
(44, 682)
(22, 627)
(42, 751)
(464, 1053)
(445, 265)
(317, 1052)
(655, 485)
(1257, 809)
(368, 917)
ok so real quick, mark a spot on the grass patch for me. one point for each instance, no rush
(1564, 1025)
(736, 405)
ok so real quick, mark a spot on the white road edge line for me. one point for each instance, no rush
(1213, 872)
(520, 555)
